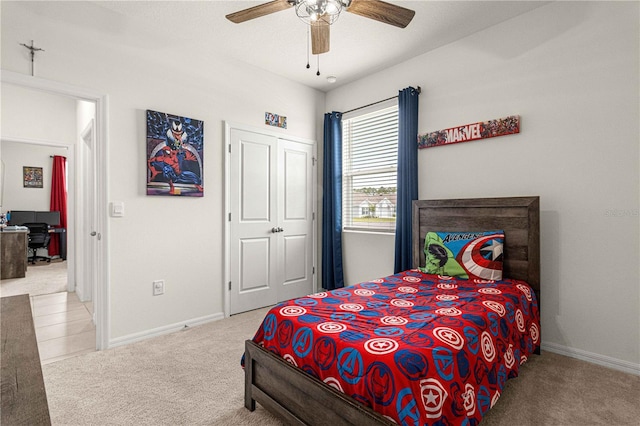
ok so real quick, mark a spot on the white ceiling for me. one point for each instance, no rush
(278, 42)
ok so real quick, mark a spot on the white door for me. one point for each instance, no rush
(88, 233)
(253, 179)
(271, 220)
(295, 218)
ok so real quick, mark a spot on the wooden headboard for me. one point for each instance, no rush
(519, 217)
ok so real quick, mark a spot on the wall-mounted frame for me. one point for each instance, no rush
(174, 155)
(32, 177)
(275, 120)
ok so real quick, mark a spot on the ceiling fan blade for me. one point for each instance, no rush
(258, 11)
(319, 37)
(382, 11)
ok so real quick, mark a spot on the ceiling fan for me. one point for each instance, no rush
(320, 14)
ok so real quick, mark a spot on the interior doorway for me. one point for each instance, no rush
(90, 206)
(56, 274)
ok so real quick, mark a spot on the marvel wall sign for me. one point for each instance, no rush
(471, 132)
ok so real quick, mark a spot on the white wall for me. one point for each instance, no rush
(570, 69)
(37, 115)
(175, 239)
(15, 156)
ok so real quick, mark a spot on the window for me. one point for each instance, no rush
(370, 160)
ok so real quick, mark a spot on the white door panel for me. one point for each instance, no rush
(255, 189)
(295, 258)
(254, 264)
(252, 201)
(295, 210)
(295, 185)
(87, 212)
(271, 239)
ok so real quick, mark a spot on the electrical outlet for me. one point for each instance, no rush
(158, 287)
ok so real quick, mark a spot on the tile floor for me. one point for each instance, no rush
(63, 326)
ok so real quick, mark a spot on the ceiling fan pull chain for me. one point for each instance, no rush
(308, 39)
(318, 73)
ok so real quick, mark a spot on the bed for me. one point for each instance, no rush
(299, 392)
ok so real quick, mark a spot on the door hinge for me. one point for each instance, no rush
(229, 148)
(229, 217)
(313, 216)
(313, 270)
(229, 285)
(313, 161)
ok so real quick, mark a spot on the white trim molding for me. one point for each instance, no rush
(167, 329)
(40, 142)
(602, 360)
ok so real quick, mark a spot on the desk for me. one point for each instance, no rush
(51, 218)
(63, 240)
(13, 252)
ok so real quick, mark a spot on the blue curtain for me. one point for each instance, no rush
(407, 175)
(332, 272)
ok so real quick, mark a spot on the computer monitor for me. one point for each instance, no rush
(50, 218)
(20, 217)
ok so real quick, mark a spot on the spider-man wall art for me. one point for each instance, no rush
(174, 155)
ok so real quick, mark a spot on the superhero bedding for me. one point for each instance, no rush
(415, 347)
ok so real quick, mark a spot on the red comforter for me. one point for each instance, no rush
(417, 348)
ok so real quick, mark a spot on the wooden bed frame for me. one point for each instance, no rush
(301, 399)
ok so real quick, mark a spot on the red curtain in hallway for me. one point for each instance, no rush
(58, 199)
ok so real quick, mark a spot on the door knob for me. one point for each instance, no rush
(274, 230)
(93, 233)
(280, 229)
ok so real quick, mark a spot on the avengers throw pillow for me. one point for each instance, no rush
(469, 255)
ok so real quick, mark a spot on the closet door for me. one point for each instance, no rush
(295, 218)
(271, 220)
(253, 190)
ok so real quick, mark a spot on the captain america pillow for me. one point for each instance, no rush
(468, 255)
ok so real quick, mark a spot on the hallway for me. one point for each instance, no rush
(63, 326)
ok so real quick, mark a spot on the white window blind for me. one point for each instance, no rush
(370, 162)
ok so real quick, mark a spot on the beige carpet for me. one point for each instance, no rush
(41, 278)
(194, 377)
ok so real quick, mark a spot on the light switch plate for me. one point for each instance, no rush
(117, 209)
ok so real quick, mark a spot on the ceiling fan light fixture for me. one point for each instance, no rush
(310, 11)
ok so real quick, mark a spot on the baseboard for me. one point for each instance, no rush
(171, 328)
(603, 360)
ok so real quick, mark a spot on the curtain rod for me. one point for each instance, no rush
(377, 102)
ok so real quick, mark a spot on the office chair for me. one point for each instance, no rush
(39, 237)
